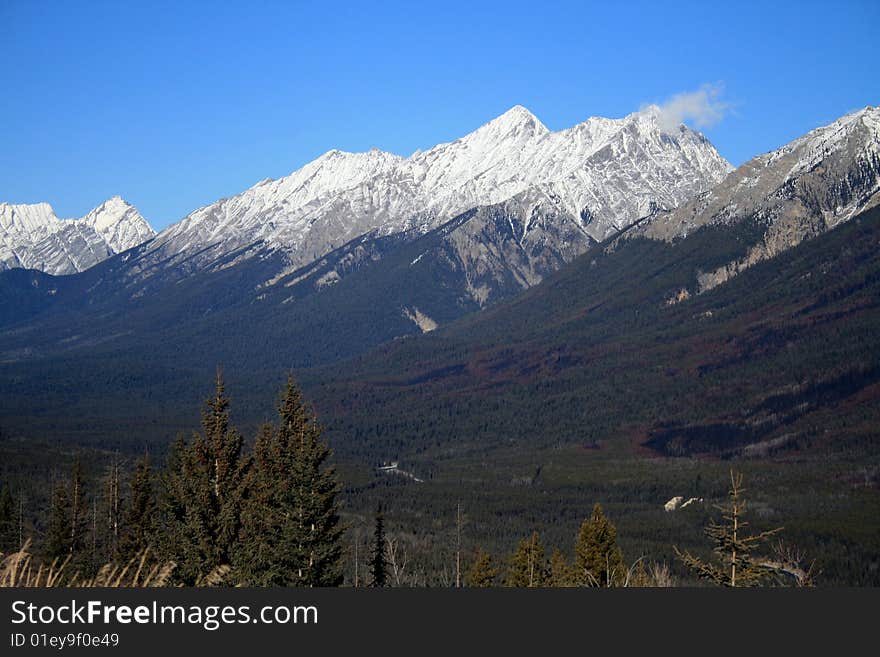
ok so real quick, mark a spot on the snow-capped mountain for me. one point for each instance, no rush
(808, 186)
(31, 236)
(605, 172)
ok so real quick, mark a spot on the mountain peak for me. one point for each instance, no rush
(115, 205)
(516, 119)
(119, 224)
(652, 117)
(870, 116)
(31, 236)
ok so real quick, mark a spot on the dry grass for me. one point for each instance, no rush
(21, 569)
(18, 569)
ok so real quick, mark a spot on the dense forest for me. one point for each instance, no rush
(218, 513)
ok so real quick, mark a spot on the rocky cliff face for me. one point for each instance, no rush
(796, 192)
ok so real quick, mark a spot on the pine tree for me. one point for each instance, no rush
(291, 531)
(172, 504)
(527, 567)
(260, 561)
(598, 561)
(57, 542)
(560, 570)
(139, 519)
(68, 523)
(378, 562)
(8, 521)
(202, 494)
(735, 564)
(482, 572)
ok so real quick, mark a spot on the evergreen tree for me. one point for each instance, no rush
(378, 562)
(291, 531)
(202, 494)
(735, 565)
(560, 570)
(482, 573)
(172, 503)
(139, 519)
(8, 522)
(57, 542)
(598, 561)
(527, 567)
(68, 524)
(261, 560)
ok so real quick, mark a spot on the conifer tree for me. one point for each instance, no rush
(482, 572)
(291, 531)
(527, 567)
(735, 564)
(259, 561)
(8, 524)
(560, 570)
(378, 562)
(171, 508)
(68, 523)
(598, 561)
(57, 542)
(203, 490)
(139, 520)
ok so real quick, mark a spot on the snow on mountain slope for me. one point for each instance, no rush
(607, 172)
(808, 186)
(31, 236)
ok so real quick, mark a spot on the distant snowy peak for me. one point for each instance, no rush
(516, 123)
(31, 236)
(119, 223)
(609, 171)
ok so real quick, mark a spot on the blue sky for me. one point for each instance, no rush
(174, 105)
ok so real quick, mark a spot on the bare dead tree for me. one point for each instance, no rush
(444, 578)
(458, 546)
(397, 558)
(357, 540)
(21, 517)
(114, 500)
(790, 563)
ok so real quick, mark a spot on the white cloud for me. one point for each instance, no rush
(703, 107)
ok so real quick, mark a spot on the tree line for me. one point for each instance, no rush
(218, 513)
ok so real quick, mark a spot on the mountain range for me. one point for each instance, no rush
(32, 237)
(594, 178)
